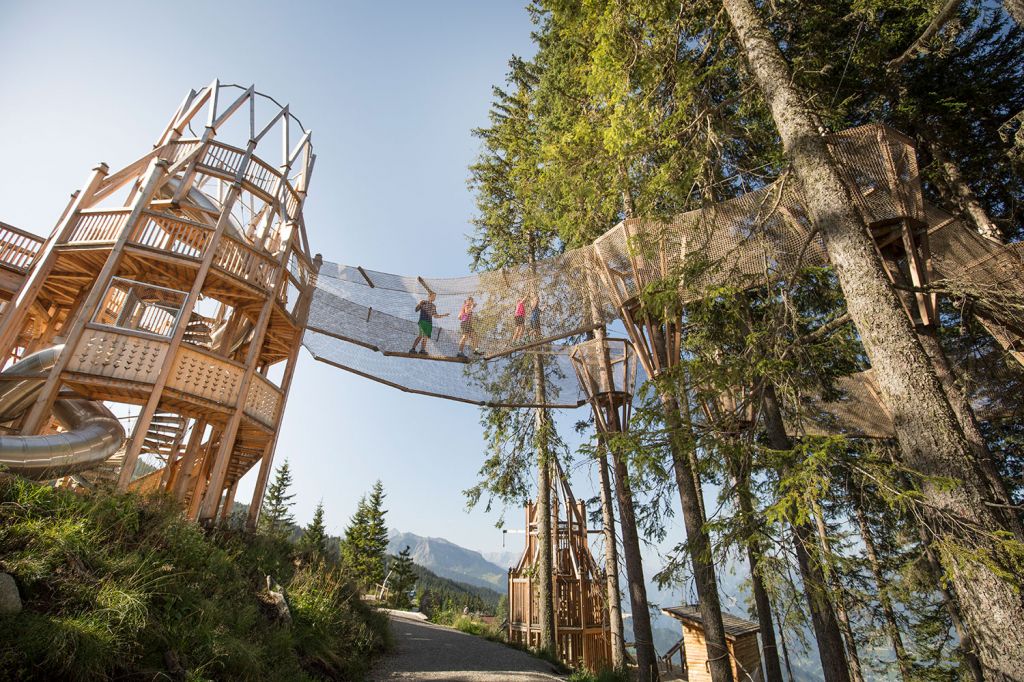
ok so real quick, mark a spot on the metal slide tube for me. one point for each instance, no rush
(93, 433)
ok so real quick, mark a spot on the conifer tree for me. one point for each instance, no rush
(366, 540)
(276, 519)
(929, 434)
(512, 229)
(313, 542)
(403, 578)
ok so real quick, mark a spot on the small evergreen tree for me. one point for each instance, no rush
(314, 537)
(376, 534)
(276, 519)
(403, 579)
(366, 540)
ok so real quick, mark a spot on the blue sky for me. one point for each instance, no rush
(391, 92)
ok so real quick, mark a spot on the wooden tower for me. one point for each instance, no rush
(581, 616)
(178, 284)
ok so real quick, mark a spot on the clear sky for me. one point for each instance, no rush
(391, 92)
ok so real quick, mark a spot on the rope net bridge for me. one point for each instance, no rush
(368, 322)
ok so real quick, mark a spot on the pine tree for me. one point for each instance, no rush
(277, 520)
(403, 578)
(366, 540)
(313, 542)
(376, 534)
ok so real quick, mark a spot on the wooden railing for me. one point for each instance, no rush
(18, 248)
(677, 648)
(175, 235)
(118, 354)
(197, 372)
(92, 226)
(133, 356)
(245, 263)
(263, 402)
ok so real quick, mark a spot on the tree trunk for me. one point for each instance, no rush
(646, 658)
(611, 562)
(968, 422)
(699, 545)
(826, 628)
(785, 647)
(881, 585)
(965, 195)
(545, 573)
(949, 601)
(926, 427)
(741, 481)
(839, 599)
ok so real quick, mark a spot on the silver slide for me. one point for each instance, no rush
(93, 433)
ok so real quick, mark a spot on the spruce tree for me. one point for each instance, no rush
(277, 519)
(931, 440)
(366, 540)
(313, 542)
(403, 578)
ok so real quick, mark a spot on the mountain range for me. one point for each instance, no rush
(449, 560)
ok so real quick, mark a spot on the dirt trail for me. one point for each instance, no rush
(424, 651)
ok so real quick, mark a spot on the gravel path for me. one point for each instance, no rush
(424, 651)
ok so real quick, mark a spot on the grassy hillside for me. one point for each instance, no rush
(116, 586)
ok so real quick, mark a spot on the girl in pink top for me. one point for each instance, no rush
(520, 319)
(466, 324)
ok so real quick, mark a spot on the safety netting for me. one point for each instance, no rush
(497, 338)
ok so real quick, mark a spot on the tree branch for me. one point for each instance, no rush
(933, 28)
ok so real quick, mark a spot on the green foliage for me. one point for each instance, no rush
(365, 544)
(313, 543)
(470, 624)
(403, 578)
(276, 518)
(118, 586)
(434, 594)
(602, 676)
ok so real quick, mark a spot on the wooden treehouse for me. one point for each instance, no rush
(177, 284)
(691, 649)
(581, 614)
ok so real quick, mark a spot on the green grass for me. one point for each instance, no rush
(603, 676)
(118, 586)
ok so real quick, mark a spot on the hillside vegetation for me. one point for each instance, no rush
(118, 586)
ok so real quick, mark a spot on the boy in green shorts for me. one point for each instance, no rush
(427, 311)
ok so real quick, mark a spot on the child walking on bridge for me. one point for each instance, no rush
(466, 325)
(427, 311)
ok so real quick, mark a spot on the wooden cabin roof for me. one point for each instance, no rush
(689, 614)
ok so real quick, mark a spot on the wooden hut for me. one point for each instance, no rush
(581, 614)
(741, 639)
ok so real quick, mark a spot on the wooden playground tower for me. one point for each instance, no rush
(178, 284)
(581, 614)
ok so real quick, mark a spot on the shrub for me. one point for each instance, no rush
(116, 585)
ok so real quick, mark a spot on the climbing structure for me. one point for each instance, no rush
(365, 321)
(581, 613)
(183, 284)
(178, 284)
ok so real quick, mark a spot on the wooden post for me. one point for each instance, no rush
(286, 383)
(229, 502)
(255, 347)
(41, 408)
(200, 486)
(261, 485)
(181, 477)
(17, 309)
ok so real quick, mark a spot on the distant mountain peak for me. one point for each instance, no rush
(449, 560)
